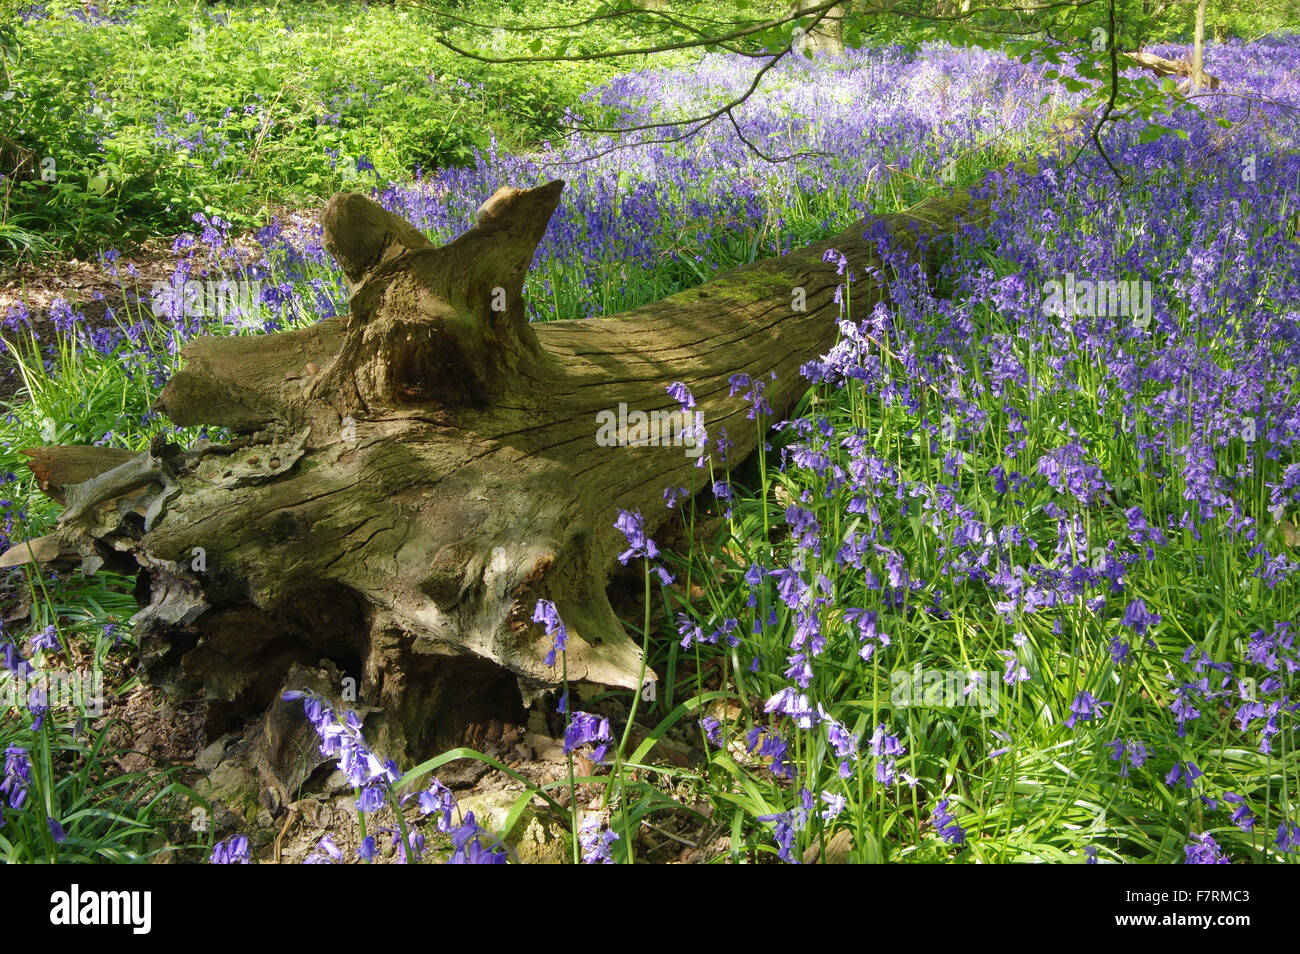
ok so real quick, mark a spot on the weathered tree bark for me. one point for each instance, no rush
(57, 467)
(408, 479)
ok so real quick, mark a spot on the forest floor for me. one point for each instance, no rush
(89, 286)
(154, 733)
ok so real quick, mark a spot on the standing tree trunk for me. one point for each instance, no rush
(407, 480)
(827, 36)
(1198, 48)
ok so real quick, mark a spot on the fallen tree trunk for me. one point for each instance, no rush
(407, 480)
(1163, 66)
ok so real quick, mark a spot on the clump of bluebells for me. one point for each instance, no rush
(1026, 498)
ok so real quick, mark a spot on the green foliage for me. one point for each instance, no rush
(226, 109)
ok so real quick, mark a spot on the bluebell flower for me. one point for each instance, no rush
(835, 805)
(1204, 850)
(367, 849)
(467, 842)
(689, 630)
(232, 851)
(784, 833)
(587, 729)
(886, 748)
(596, 842)
(712, 730)
(946, 825)
(371, 799)
(789, 701)
(437, 798)
(1288, 836)
(47, 639)
(632, 526)
(1187, 773)
(1241, 815)
(1084, 708)
(682, 395)
(326, 853)
(17, 776)
(674, 494)
(1139, 618)
(546, 613)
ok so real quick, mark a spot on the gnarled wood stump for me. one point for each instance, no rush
(407, 480)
